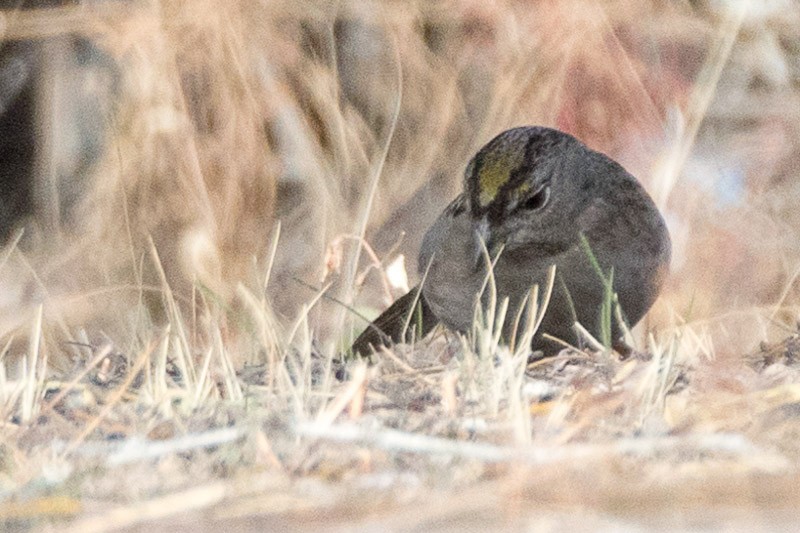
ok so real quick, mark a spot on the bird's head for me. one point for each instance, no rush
(526, 188)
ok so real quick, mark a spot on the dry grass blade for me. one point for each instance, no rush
(54, 21)
(373, 183)
(156, 508)
(704, 91)
(50, 507)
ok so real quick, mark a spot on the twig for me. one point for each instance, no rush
(399, 441)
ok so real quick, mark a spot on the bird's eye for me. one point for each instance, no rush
(538, 200)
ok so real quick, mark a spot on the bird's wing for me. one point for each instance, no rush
(388, 327)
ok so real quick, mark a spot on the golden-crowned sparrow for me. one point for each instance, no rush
(536, 197)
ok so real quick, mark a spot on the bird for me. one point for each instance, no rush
(535, 198)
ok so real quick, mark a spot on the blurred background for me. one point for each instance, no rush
(146, 144)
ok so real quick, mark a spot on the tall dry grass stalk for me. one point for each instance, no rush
(347, 119)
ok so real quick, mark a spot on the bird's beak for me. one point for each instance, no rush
(483, 241)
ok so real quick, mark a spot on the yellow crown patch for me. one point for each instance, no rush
(495, 169)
